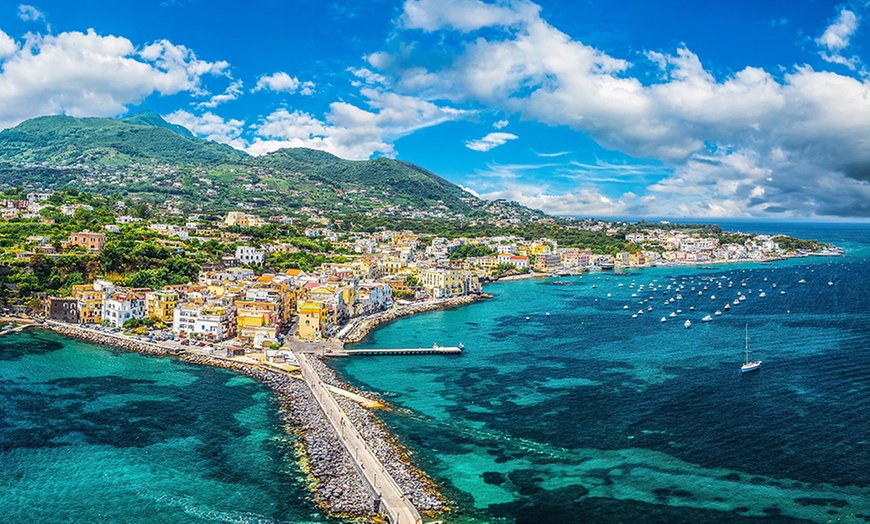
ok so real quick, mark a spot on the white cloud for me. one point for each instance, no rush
(28, 13)
(282, 82)
(463, 15)
(490, 141)
(86, 74)
(211, 127)
(8, 47)
(797, 139)
(232, 92)
(837, 37)
(501, 124)
(345, 130)
(349, 131)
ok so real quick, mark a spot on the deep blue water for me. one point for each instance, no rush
(589, 415)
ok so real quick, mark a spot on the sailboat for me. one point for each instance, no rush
(749, 365)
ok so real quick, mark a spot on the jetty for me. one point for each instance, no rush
(393, 504)
(434, 350)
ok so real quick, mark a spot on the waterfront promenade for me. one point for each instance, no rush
(393, 503)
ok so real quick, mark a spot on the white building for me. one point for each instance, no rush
(250, 255)
(120, 308)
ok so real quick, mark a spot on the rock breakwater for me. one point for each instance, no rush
(413, 482)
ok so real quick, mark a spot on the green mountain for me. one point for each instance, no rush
(150, 118)
(150, 160)
(142, 137)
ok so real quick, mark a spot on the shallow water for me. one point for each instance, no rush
(589, 415)
(93, 435)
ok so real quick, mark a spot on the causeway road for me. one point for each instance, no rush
(394, 504)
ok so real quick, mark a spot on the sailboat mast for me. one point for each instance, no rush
(746, 350)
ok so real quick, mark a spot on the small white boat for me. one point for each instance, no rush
(672, 315)
(692, 308)
(782, 292)
(640, 312)
(688, 324)
(649, 308)
(664, 320)
(547, 313)
(742, 297)
(700, 293)
(634, 316)
(830, 283)
(727, 307)
(608, 295)
(527, 318)
(712, 297)
(736, 302)
(708, 318)
(762, 294)
(624, 307)
(749, 365)
(802, 281)
(717, 313)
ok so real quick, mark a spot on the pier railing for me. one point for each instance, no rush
(394, 504)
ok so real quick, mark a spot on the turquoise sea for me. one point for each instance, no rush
(590, 415)
(582, 415)
(92, 435)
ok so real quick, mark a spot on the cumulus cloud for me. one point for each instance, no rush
(211, 127)
(8, 47)
(28, 13)
(282, 82)
(349, 131)
(837, 37)
(501, 124)
(749, 141)
(490, 141)
(232, 92)
(346, 130)
(86, 74)
(463, 15)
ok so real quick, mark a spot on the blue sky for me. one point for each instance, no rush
(620, 108)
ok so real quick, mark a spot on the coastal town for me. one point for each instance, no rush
(269, 296)
(239, 302)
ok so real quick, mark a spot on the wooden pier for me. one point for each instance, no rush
(434, 350)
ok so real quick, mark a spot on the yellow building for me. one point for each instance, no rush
(441, 283)
(238, 218)
(161, 304)
(540, 249)
(312, 321)
(393, 265)
(90, 303)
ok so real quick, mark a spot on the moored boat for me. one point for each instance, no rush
(749, 365)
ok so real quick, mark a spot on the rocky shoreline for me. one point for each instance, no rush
(365, 325)
(339, 489)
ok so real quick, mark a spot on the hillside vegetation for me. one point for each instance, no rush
(148, 159)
